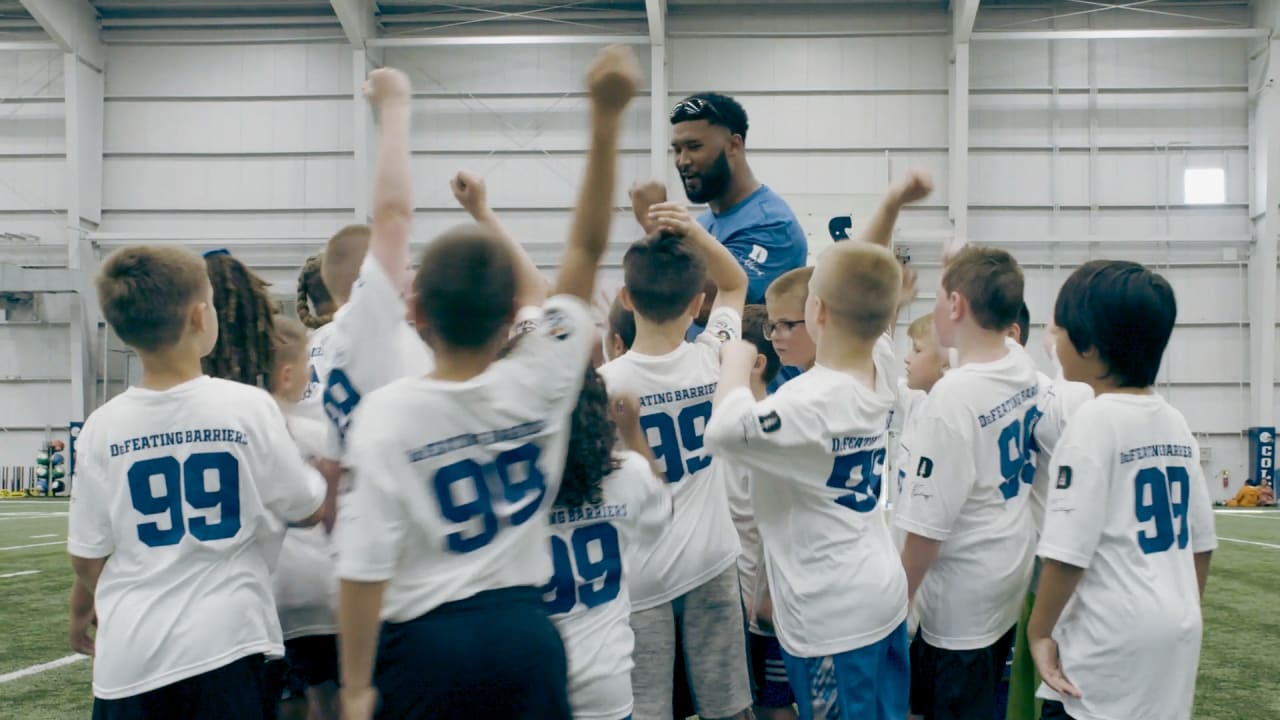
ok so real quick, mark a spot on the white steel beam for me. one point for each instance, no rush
(356, 17)
(656, 12)
(963, 13)
(659, 126)
(83, 89)
(435, 41)
(73, 26)
(1264, 151)
(364, 136)
(1172, 34)
(958, 153)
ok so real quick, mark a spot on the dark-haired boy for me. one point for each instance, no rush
(968, 549)
(443, 536)
(688, 577)
(176, 507)
(709, 137)
(1129, 530)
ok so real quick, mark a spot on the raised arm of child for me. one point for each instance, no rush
(388, 90)
(472, 194)
(915, 186)
(611, 82)
(722, 267)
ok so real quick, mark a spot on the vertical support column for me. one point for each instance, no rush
(958, 156)
(364, 136)
(659, 105)
(1265, 208)
(83, 92)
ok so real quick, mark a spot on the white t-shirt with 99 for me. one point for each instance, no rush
(593, 550)
(368, 345)
(971, 472)
(184, 491)
(1129, 504)
(675, 392)
(816, 453)
(451, 481)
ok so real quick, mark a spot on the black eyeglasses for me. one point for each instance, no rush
(772, 327)
(694, 108)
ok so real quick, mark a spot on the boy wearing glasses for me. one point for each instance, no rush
(709, 135)
(785, 301)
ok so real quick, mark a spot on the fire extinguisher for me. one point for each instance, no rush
(1226, 479)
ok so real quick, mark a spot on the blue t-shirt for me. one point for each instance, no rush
(763, 234)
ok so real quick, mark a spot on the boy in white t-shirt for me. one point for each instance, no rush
(968, 549)
(443, 533)
(1129, 530)
(180, 489)
(305, 582)
(816, 453)
(687, 578)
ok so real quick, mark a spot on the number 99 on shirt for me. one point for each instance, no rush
(676, 441)
(187, 481)
(522, 486)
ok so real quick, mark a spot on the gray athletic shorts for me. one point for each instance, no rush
(710, 618)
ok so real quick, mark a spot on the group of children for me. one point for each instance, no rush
(443, 509)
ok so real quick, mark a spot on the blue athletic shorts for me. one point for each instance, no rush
(870, 683)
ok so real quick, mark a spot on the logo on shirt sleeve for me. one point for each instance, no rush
(1064, 477)
(558, 325)
(771, 422)
(925, 468)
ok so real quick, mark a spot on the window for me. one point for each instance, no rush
(1204, 186)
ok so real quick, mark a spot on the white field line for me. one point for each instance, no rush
(38, 537)
(4, 502)
(33, 545)
(20, 573)
(1272, 546)
(42, 667)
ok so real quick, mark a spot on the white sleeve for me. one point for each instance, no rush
(375, 307)
(289, 487)
(1060, 402)
(552, 358)
(766, 434)
(1078, 496)
(1204, 537)
(653, 498)
(724, 324)
(358, 360)
(371, 514)
(940, 474)
(527, 320)
(89, 532)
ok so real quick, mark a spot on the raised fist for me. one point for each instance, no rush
(613, 78)
(386, 85)
(915, 186)
(470, 192)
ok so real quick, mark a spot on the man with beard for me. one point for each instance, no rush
(709, 139)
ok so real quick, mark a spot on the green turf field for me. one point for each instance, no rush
(1238, 666)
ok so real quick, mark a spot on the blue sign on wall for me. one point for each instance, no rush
(1262, 454)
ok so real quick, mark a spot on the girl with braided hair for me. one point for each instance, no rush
(243, 352)
(610, 510)
(315, 303)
